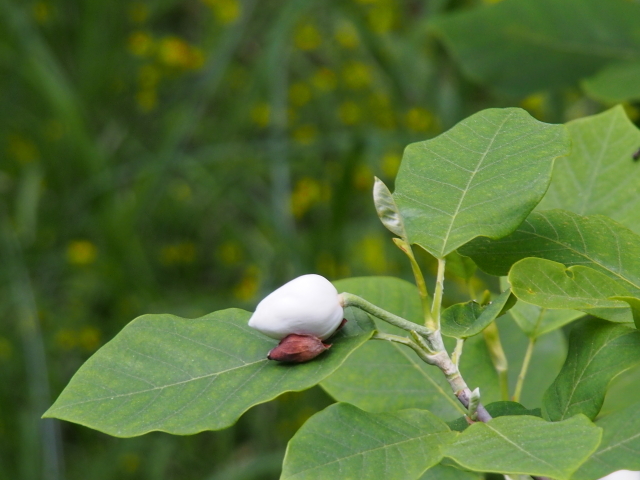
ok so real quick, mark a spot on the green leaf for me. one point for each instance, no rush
(550, 284)
(183, 376)
(526, 445)
(598, 351)
(459, 266)
(549, 354)
(482, 177)
(496, 409)
(599, 176)
(615, 83)
(536, 321)
(446, 472)
(619, 448)
(464, 320)
(383, 376)
(343, 441)
(594, 241)
(562, 42)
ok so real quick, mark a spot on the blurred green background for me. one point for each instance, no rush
(185, 156)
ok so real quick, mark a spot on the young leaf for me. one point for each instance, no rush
(464, 320)
(459, 266)
(562, 41)
(600, 175)
(619, 448)
(551, 285)
(387, 209)
(536, 321)
(343, 441)
(615, 83)
(598, 351)
(183, 376)
(594, 241)
(382, 376)
(526, 445)
(482, 177)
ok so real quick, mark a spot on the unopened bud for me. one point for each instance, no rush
(298, 349)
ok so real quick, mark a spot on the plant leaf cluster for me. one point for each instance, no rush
(473, 194)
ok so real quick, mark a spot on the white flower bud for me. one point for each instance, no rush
(307, 305)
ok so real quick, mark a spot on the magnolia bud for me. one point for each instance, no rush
(298, 348)
(307, 305)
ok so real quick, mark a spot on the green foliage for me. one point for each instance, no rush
(460, 185)
(383, 376)
(526, 445)
(617, 82)
(549, 284)
(619, 448)
(464, 320)
(598, 352)
(562, 41)
(345, 442)
(593, 241)
(164, 373)
(536, 321)
(599, 176)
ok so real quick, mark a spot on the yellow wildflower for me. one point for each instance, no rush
(175, 52)
(22, 149)
(81, 252)
(535, 104)
(247, 288)
(357, 75)
(306, 193)
(89, 338)
(66, 339)
(147, 99)
(349, 112)
(183, 253)
(261, 114)
(299, 94)
(305, 134)
(42, 12)
(230, 252)
(371, 250)
(141, 43)
(347, 36)
(324, 79)
(307, 37)
(130, 462)
(363, 177)
(226, 11)
(419, 119)
(391, 163)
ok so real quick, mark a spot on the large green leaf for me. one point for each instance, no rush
(183, 376)
(598, 351)
(464, 320)
(523, 46)
(594, 241)
(615, 83)
(382, 376)
(550, 284)
(536, 321)
(549, 354)
(600, 175)
(619, 448)
(526, 445)
(482, 177)
(344, 442)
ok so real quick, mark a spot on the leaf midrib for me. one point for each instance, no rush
(466, 188)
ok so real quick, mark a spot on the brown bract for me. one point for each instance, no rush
(298, 349)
